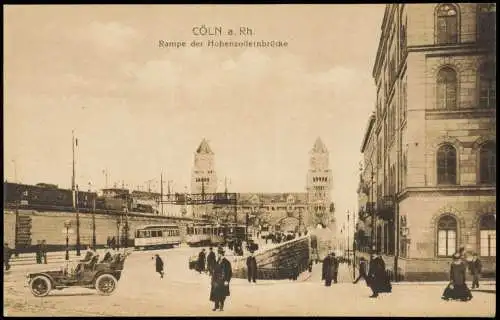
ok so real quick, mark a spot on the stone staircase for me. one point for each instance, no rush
(282, 261)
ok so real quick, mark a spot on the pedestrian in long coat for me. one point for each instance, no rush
(362, 270)
(251, 268)
(159, 266)
(475, 269)
(7, 253)
(39, 252)
(378, 280)
(335, 267)
(327, 274)
(457, 288)
(201, 261)
(43, 251)
(211, 260)
(220, 282)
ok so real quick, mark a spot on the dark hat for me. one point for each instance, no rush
(210, 248)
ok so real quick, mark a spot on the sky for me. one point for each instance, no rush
(138, 110)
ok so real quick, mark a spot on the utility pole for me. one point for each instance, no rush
(161, 192)
(74, 188)
(77, 225)
(106, 176)
(348, 244)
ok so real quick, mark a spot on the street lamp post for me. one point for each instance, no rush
(67, 225)
(77, 225)
(348, 244)
(118, 233)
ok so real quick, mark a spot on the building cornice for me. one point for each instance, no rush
(368, 131)
(378, 58)
(466, 113)
(473, 190)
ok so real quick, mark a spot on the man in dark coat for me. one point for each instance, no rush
(201, 260)
(475, 267)
(211, 260)
(335, 267)
(43, 251)
(7, 253)
(327, 274)
(159, 265)
(251, 268)
(220, 282)
(362, 270)
(378, 280)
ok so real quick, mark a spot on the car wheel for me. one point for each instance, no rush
(106, 284)
(40, 286)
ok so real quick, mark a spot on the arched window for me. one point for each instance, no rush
(446, 24)
(488, 163)
(487, 86)
(446, 165)
(446, 88)
(487, 236)
(447, 236)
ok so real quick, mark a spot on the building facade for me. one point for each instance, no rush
(429, 176)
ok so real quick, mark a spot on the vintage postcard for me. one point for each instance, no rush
(250, 160)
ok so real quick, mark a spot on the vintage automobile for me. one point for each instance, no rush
(102, 276)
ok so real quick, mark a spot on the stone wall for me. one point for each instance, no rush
(49, 226)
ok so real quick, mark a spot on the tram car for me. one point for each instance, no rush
(198, 235)
(157, 236)
(206, 235)
(211, 234)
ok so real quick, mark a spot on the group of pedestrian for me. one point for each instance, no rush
(457, 288)
(236, 246)
(112, 243)
(206, 262)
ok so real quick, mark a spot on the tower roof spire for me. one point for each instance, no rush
(204, 147)
(319, 146)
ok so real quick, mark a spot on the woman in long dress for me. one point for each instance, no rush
(457, 288)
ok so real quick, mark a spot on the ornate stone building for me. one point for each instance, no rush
(429, 177)
(203, 176)
(290, 210)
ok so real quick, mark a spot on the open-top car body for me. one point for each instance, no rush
(93, 274)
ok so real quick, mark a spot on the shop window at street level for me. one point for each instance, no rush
(446, 165)
(447, 236)
(488, 236)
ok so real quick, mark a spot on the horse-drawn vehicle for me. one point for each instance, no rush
(102, 276)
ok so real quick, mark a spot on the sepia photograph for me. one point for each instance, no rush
(250, 160)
